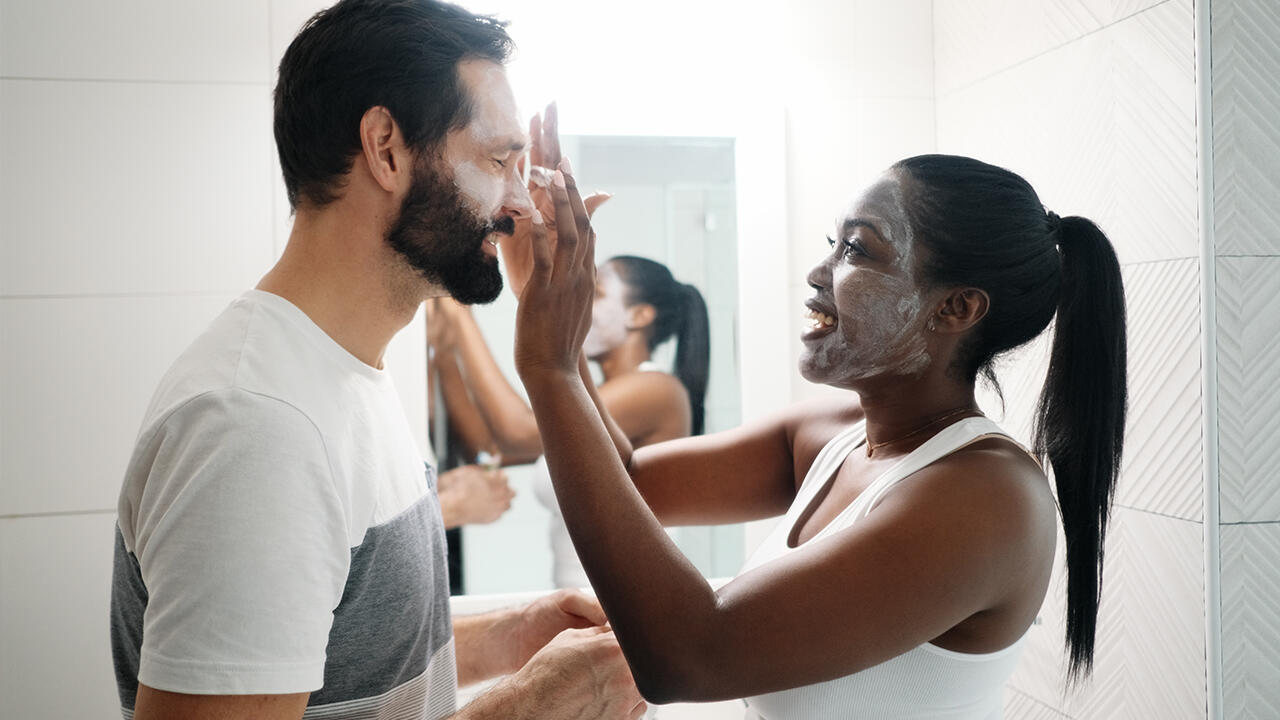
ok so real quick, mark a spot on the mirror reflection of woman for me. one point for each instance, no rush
(917, 538)
(638, 305)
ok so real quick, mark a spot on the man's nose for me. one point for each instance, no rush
(516, 201)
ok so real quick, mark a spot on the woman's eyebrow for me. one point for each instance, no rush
(850, 224)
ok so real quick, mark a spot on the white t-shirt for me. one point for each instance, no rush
(278, 531)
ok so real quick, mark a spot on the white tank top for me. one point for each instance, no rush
(926, 682)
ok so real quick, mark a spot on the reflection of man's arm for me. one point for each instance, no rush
(463, 416)
(504, 412)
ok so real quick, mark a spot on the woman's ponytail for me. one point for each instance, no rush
(693, 352)
(679, 312)
(1079, 422)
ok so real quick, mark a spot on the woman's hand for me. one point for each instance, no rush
(544, 156)
(555, 303)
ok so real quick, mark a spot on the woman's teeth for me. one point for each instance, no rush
(818, 320)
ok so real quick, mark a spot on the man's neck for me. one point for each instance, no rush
(344, 277)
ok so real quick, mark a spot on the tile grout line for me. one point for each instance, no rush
(1042, 53)
(139, 81)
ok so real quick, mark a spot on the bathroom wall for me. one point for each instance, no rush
(1095, 102)
(1246, 227)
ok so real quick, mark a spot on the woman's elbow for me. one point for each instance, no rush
(679, 676)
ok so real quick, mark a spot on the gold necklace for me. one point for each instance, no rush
(871, 447)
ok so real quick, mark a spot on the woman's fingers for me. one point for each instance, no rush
(581, 219)
(595, 200)
(541, 246)
(551, 136)
(567, 238)
(535, 141)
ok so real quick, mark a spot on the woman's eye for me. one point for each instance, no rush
(848, 246)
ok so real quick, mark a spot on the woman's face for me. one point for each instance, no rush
(609, 315)
(867, 315)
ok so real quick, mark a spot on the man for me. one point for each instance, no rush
(279, 550)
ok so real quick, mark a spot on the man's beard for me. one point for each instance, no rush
(443, 239)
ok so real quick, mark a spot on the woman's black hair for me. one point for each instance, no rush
(985, 227)
(679, 311)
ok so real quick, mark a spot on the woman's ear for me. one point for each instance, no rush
(640, 316)
(960, 310)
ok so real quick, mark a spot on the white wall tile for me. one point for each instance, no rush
(79, 373)
(133, 187)
(161, 40)
(1019, 706)
(1246, 143)
(1162, 469)
(286, 18)
(1248, 315)
(1149, 660)
(1250, 621)
(1103, 127)
(867, 48)
(55, 659)
(977, 38)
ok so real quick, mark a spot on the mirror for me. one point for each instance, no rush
(674, 201)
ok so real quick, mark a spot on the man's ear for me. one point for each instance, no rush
(960, 310)
(382, 145)
(640, 316)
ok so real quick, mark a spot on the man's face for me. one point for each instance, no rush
(465, 197)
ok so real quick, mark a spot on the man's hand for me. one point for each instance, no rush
(579, 674)
(546, 617)
(473, 495)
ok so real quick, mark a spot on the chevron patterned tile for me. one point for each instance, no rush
(1019, 706)
(1156, 185)
(1162, 462)
(1249, 388)
(1103, 127)
(1246, 141)
(1110, 11)
(1250, 620)
(977, 38)
(1156, 570)
(1149, 659)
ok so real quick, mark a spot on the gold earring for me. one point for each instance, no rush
(933, 324)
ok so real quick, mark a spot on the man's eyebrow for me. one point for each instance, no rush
(516, 145)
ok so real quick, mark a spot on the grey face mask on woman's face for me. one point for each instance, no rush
(609, 316)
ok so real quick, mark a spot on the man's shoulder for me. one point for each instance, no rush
(249, 353)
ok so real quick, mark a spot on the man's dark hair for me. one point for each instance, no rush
(399, 54)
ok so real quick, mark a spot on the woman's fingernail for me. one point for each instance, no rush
(565, 166)
(537, 217)
(558, 179)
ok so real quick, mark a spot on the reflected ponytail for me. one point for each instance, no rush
(985, 227)
(679, 312)
(693, 353)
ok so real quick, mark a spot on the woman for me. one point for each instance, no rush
(917, 539)
(638, 306)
